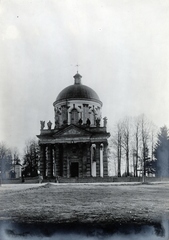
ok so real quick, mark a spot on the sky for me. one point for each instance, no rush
(121, 46)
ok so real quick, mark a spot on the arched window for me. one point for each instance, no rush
(74, 116)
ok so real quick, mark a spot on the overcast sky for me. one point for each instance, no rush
(122, 47)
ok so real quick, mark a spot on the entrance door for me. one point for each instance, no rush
(74, 169)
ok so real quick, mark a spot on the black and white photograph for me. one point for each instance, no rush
(84, 119)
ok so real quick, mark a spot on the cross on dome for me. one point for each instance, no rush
(77, 67)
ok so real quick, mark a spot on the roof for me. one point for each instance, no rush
(73, 133)
(78, 91)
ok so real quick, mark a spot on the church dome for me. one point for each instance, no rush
(78, 91)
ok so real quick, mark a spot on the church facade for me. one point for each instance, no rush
(76, 144)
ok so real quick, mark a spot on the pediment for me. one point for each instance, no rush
(72, 131)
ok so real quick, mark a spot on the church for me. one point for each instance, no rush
(75, 146)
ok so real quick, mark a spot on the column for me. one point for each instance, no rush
(64, 160)
(84, 160)
(43, 160)
(50, 162)
(101, 160)
(88, 162)
(97, 159)
(68, 168)
(84, 165)
(105, 161)
(81, 158)
(57, 160)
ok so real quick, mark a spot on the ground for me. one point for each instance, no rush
(84, 203)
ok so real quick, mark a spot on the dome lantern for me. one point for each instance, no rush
(77, 78)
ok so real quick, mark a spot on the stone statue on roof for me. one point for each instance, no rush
(49, 125)
(42, 124)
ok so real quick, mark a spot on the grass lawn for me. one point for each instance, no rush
(84, 203)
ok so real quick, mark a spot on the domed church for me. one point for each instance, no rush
(75, 146)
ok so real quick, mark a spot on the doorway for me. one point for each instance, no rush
(74, 169)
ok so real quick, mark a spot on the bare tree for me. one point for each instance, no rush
(5, 158)
(132, 141)
(136, 144)
(145, 138)
(31, 157)
(153, 138)
(112, 162)
(15, 159)
(125, 126)
(117, 146)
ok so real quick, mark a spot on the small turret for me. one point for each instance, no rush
(77, 78)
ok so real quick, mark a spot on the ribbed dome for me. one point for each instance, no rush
(78, 91)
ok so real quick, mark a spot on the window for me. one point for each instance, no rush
(74, 116)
